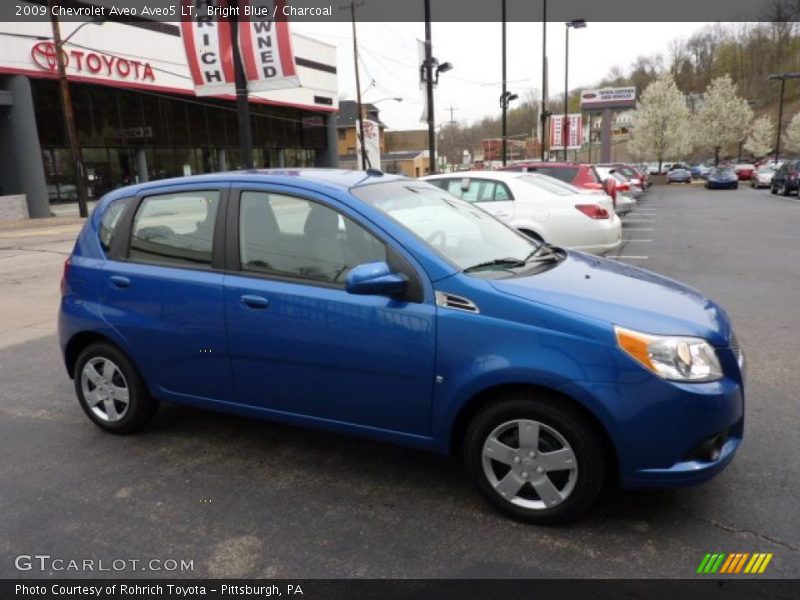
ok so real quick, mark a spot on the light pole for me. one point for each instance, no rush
(505, 100)
(782, 77)
(574, 24)
(429, 72)
(66, 107)
(543, 114)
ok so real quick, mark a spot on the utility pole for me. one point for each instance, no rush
(452, 109)
(429, 89)
(359, 107)
(242, 102)
(504, 102)
(782, 77)
(69, 115)
(543, 113)
(565, 122)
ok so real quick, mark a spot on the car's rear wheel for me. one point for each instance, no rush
(535, 459)
(111, 391)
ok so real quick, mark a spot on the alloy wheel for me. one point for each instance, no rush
(529, 464)
(105, 389)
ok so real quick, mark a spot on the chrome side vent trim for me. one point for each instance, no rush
(446, 300)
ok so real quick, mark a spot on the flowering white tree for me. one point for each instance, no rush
(723, 118)
(792, 135)
(761, 138)
(661, 122)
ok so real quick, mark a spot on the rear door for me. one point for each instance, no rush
(164, 291)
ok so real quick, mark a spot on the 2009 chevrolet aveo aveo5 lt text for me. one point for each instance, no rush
(381, 306)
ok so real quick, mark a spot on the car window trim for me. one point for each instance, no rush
(394, 257)
(121, 244)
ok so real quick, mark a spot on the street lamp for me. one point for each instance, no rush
(429, 72)
(505, 100)
(66, 107)
(782, 77)
(574, 24)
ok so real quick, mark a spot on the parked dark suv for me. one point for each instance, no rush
(787, 178)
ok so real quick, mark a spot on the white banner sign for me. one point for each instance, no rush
(572, 131)
(207, 41)
(372, 141)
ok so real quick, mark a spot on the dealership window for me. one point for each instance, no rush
(175, 229)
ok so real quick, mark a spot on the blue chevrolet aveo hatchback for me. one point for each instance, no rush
(383, 307)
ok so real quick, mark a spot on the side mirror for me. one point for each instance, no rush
(375, 279)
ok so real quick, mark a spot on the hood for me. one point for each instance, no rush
(624, 295)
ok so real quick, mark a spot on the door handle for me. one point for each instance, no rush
(120, 281)
(256, 302)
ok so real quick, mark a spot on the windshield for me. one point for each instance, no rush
(723, 173)
(550, 184)
(461, 232)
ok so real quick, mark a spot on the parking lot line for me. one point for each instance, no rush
(630, 257)
(638, 221)
(638, 229)
(631, 240)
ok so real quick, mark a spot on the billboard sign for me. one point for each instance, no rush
(623, 97)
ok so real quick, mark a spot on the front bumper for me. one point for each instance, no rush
(669, 434)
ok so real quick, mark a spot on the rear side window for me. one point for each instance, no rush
(479, 190)
(563, 173)
(110, 220)
(175, 229)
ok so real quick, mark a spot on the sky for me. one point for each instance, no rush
(389, 56)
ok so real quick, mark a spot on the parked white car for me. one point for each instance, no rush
(634, 190)
(762, 177)
(540, 207)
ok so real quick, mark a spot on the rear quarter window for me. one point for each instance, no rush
(110, 221)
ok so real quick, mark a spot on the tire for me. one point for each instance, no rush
(561, 429)
(102, 376)
(785, 189)
(772, 189)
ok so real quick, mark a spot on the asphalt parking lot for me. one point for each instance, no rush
(252, 499)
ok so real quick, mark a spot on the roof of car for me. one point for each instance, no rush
(504, 175)
(338, 179)
(535, 164)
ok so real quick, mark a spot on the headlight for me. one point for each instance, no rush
(671, 357)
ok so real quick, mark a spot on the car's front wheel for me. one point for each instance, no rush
(536, 459)
(111, 391)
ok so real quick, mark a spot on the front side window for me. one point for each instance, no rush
(462, 233)
(288, 236)
(175, 229)
(110, 220)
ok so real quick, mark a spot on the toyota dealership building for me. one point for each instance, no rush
(136, 112)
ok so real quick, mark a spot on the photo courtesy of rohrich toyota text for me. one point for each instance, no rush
(369, 299)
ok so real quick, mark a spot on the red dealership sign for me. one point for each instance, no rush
(571, 131)
(95, 63)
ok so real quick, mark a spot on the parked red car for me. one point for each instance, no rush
(744, 171)
(580, 175)
(633, 173)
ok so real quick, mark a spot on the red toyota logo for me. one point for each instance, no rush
(44, 55)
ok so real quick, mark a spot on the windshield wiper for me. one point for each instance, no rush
(497, 262)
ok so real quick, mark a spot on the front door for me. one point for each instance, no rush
(301, 344)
